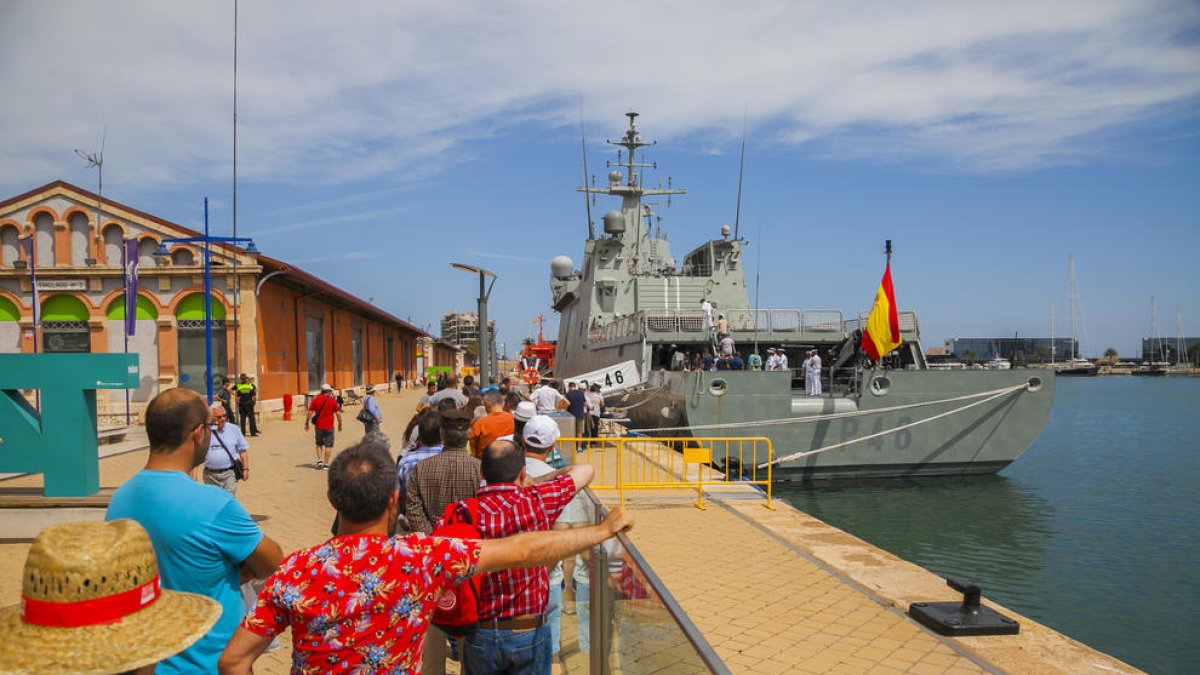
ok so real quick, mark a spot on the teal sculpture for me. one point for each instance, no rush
(61, 441)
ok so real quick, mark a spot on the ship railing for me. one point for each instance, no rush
(674, 464)
(908, 322)
(618, 329)
(631, 620)
(745, 320)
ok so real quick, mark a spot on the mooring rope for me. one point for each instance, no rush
(993, 395)
(831, 416)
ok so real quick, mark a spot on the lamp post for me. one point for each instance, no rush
(485, 342)
(207, 241)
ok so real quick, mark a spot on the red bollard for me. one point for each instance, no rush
(287, 407)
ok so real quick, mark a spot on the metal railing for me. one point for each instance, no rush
(908, 322)
(740, 320)
(683, 463)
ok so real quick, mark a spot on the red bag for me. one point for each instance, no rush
(457, 609)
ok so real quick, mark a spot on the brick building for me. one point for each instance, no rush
(289, 329)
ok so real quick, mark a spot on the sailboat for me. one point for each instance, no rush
(1183, 364)
(1076, 366)
(1154, 368)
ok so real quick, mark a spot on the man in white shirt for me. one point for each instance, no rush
(546, 398)
(782, 359)
(707, 308)
(226, 444)
(772, 359)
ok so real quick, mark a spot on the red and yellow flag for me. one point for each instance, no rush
(882, 333)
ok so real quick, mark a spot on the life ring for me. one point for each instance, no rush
(531, 375)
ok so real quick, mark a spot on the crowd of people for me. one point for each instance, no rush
(360, 601)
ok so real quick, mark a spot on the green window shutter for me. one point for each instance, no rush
(64, 308)
(192, 307)
(9, 311)
(145, 309)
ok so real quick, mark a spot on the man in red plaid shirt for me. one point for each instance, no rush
(513, 636)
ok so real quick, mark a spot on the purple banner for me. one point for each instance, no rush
(27, 244)
(131, 285)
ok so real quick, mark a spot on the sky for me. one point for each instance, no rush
(377, 142)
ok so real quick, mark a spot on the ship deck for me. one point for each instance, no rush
(771, 591)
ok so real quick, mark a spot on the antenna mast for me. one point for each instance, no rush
(586, 196)
(737, 215)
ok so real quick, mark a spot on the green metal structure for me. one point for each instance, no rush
(60, 442)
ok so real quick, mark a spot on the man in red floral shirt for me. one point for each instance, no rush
(362, 600)
(513, 635)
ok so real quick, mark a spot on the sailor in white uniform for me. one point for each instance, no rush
(807, 378)
(772, 359)
(814, 374)
(781, 359)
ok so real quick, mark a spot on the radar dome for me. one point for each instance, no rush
(561, 267)
(614, 222)
(614, 177)
(725, 230)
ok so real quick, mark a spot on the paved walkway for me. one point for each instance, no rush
(770, 590)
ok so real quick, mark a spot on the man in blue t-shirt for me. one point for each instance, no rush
(577, 406)
(202, 536)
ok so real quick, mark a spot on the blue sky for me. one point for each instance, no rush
(380, 141)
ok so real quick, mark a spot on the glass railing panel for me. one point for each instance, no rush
(626, 621)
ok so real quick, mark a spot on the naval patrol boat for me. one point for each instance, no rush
(630, 307)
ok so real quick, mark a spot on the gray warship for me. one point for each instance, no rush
(630, 306)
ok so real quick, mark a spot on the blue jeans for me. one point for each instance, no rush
(554, 616)
(506, 651)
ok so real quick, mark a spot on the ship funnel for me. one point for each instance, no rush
(562, 267)
(614, 222)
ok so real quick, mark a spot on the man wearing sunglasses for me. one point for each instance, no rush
(226, 447)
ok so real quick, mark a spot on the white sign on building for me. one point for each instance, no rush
(62, 284)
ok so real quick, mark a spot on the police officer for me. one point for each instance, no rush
(246, 394)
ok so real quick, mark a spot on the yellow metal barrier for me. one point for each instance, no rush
(643, 463)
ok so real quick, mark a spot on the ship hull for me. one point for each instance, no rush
(982, 439)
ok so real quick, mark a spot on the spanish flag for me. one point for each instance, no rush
(882, 334)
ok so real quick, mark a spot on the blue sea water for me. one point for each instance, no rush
(1094, 531)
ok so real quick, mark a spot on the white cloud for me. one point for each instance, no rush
(336, 92)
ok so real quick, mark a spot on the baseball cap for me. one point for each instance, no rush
(326, 387)
(541, 432)
(525, 411)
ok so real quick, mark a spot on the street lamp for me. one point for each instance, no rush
(485, 350)
(206, 240)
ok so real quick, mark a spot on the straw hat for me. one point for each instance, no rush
(91, 602)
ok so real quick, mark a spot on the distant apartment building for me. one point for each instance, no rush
(1020, 351)
(462, 328)
(1171, 350)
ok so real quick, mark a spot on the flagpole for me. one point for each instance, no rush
(31, 255)
(887, 248)
(125, 323)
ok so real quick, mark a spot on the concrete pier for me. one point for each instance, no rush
(772, 591)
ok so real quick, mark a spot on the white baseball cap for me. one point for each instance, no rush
(525, 411)
(326, 387)
(541, 432)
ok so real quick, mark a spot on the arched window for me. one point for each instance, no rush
(193, 342)
(79, 239)
(183, 257)
(114, 238)
(146, 249)
(65, 325)
(10, 330)
(9, 311)
(10, 245)
(145, 309)
(43, 226)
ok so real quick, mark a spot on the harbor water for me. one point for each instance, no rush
(1095, 531)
